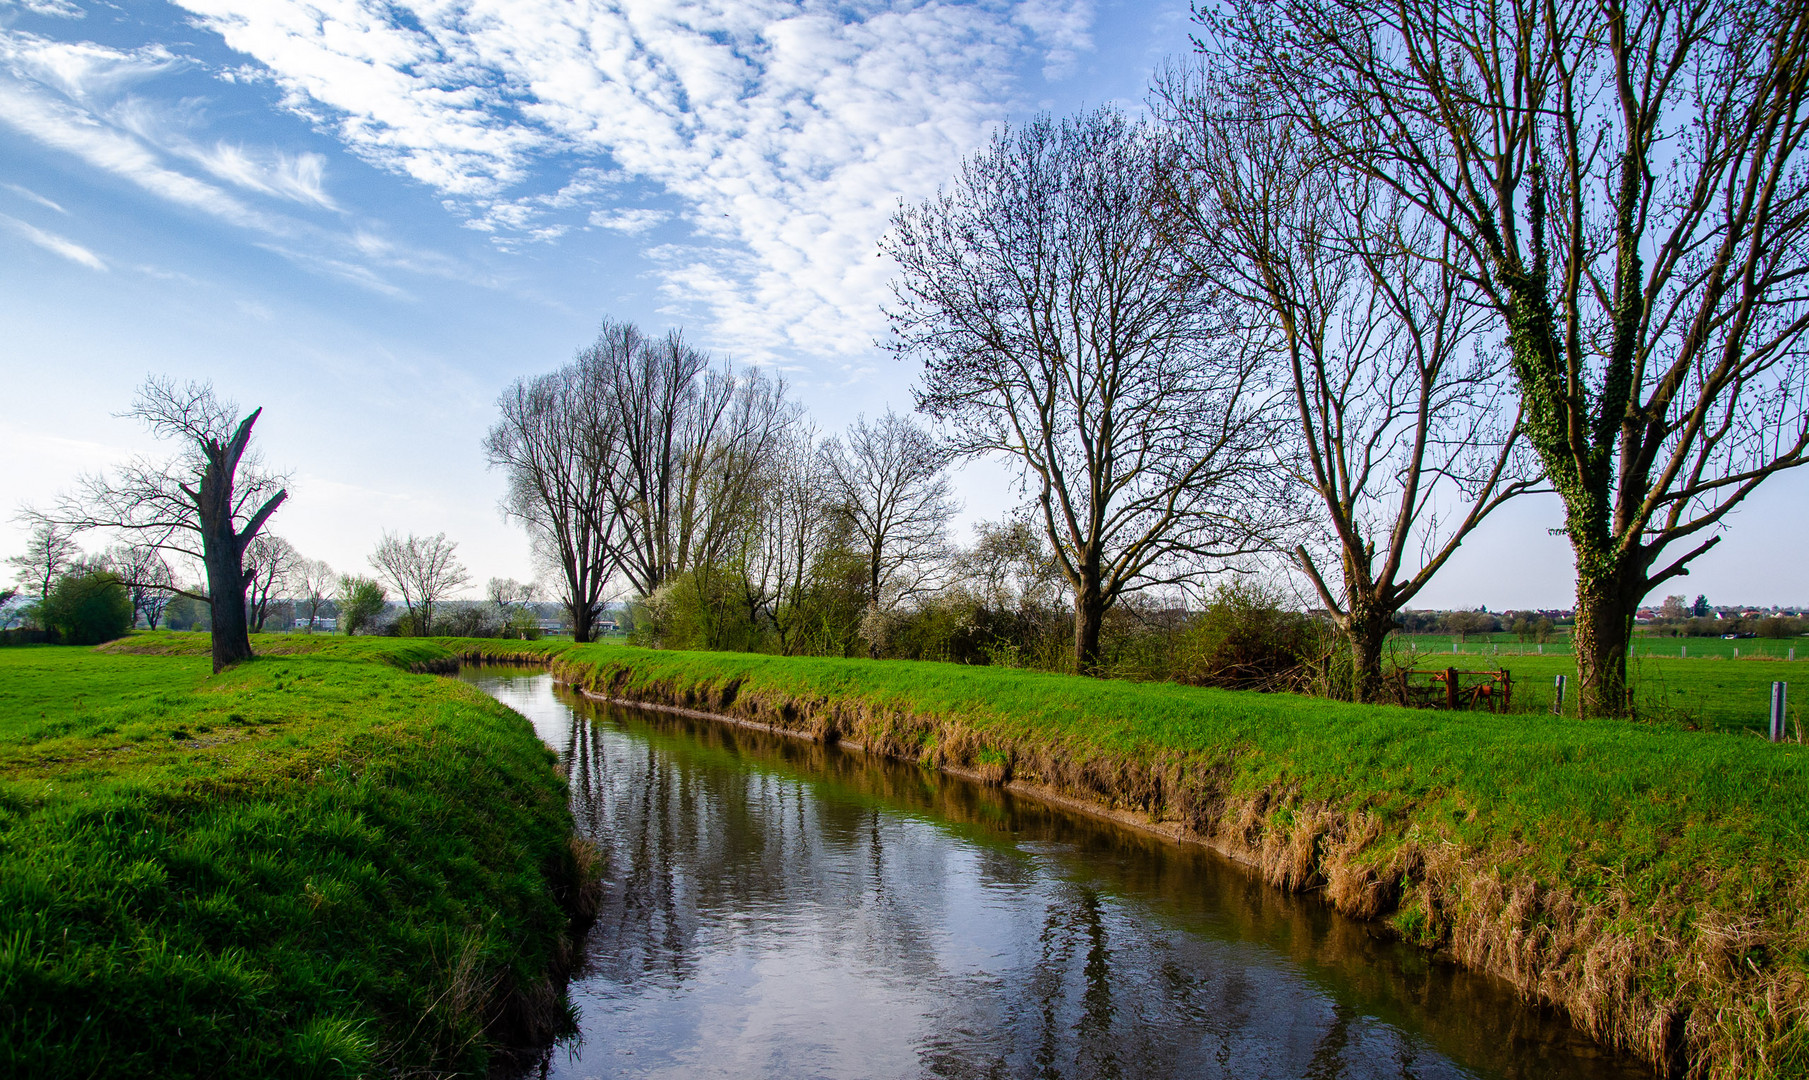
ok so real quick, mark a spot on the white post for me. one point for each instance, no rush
(1541, 648)
(1778, 689)
(1683, 650)
(1793, 652)
(1557, 701)
(1736, 652)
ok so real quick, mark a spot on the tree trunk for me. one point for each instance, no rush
(583, 625)
(1604, 626)
(1367, 628)
(1089, 614)
(231, 637)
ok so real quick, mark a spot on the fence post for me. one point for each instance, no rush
(1454, 647)
(1793, 652)
(1450, 688)
(1542, 648)
(1683, 650)
(1557, 701)
(1778, 690)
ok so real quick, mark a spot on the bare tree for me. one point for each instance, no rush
(1405, 415)
(148, 579)
(891, 483)
(270, 562)
(556, 441)
(1624, 185)
(208, 502)
(689, 444)
(792, 532)
(51, 553)
(313, 582)
(1058, 327)
(423, 569)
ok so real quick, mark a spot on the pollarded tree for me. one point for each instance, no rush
(208, 502)
(1624, 186)
(890, 481)
(1404, 413)
(424, 569)
(1057, 327)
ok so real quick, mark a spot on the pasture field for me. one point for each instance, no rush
(1647, 878)
(1643, 646)
(312, 864)
(1708, 693)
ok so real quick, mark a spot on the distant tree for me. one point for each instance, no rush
(790, 536)
(147, 576)
(889, 479)
(87, 608)
(313, 582)
(1624, 187)
(1700, 609)
(690, 442)
(1058, 328)
(51, 553)
(423, 569)
(1674, 607)
(1462, 624)
(270, 562)
(208, 502)
(10, 608)
(359, 601)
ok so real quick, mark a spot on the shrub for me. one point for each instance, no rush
(1245, 640)
(87, 609)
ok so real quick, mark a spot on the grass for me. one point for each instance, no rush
(312, 864)
(1503, 644)
(1649, 878)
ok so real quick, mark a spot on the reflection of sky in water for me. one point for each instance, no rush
(766, 918)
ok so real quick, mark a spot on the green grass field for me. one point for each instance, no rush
(1633, 871)
(312, 864)
(1643, 646)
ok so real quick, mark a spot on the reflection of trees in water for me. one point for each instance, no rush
(1014, 950)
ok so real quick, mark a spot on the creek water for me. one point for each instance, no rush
(776, 908)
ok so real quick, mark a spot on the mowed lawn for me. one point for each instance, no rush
(309, 865)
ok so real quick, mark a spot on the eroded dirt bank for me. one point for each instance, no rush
(1681, 985)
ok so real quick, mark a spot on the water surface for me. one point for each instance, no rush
(774, 908)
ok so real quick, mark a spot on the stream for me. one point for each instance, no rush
(777, 908)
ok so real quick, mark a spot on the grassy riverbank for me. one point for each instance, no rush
(1649, 879)
(312, 864)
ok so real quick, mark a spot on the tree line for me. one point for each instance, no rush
(1361, 277)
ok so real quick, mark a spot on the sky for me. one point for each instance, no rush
(370, 218)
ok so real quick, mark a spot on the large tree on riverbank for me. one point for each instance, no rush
(1404, 414)
(1059, 329)
(1624, 186)
(208, 502)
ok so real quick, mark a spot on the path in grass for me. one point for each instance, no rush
(310, 864)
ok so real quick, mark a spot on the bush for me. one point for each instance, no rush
(87, 609)
(1245, 640)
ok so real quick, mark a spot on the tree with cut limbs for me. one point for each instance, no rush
(208, 502)
(424, 569)
(1404, 415)
(890, 482)
(1057, 326)
(1624, 185)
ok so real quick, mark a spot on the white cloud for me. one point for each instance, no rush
(62, 9)
(788, 129)
(631, 221)
(55, 244)
(27, 193)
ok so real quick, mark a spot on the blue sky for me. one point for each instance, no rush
(369, 218)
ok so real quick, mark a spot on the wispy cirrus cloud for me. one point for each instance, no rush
(787, 130)
(55, 244)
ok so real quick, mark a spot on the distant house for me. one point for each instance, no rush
(320, 623)
(607, 626)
